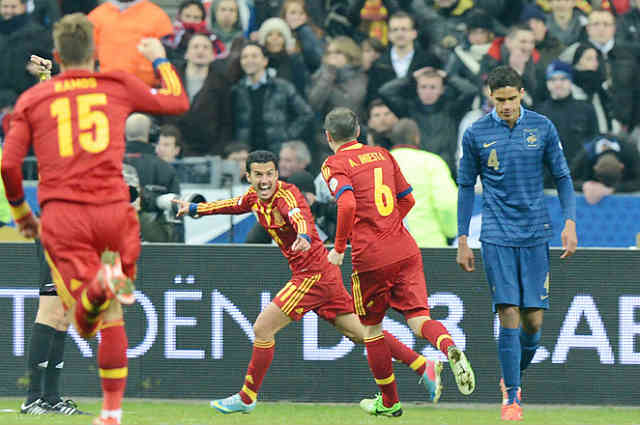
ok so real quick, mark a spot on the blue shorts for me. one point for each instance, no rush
(517, 275)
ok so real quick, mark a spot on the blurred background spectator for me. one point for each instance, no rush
(119, 26)
(433, 220)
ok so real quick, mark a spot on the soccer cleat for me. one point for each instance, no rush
(232, 404)
(374, 406)
(505, 395)
(511, 412)
(105, 421)
(113, 280)
(67, 407)
(431, 380)
(37, 407)
(462, 371)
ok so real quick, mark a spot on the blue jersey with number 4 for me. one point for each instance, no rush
(510, 162)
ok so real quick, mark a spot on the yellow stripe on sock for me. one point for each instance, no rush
(118, 373)
(442, 337)
(417, 363)
(249, 379)
(386, 381)
(112, 324)
(266, 344)
(374, 338)
(252, 395)
(86, 303)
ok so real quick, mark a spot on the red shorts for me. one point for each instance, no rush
(400, 285)
(322, 292)
(75, 235)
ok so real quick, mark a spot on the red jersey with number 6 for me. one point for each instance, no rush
(75, 122)
(378, 237)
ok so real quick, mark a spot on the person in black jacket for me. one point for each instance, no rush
(156, 178)
(607, 164)
(20, 37)
(575, 119)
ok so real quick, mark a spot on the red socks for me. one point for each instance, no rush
(112, 364)
(437, 335)
(379, 358)
(258, 366)
(406, 355)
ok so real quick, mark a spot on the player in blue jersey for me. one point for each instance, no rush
(508, 149)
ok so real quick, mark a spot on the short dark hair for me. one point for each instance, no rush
(374, 43)
(196, 3)
(235, 146)
(255, 44)
(374, 104)
(342, 124)
(405, 132)
(261, 157)
(171, 130)
(403, 15)
(504, 76)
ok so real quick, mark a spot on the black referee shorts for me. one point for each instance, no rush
(47, 287)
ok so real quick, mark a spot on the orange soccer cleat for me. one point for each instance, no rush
(511, 412)
(106, 421)
(113, 281)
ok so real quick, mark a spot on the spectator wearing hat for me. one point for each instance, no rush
(607, 164)
(465, 59)
(547, 45)
(574, 119)
(275, 36)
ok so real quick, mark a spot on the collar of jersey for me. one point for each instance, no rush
(495, 116)
(348, 145)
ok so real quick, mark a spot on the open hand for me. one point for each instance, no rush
(569, 239)
(29, 226)
(183, 207)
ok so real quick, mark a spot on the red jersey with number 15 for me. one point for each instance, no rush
(75, 122)
(378, 237)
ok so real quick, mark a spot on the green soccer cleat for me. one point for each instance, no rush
(114, 282)
(374, 406)
(462, 371)
(232, 404)
(432, 381)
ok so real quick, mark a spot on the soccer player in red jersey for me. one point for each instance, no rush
(315, 283)
(373, 197)
(75, 122)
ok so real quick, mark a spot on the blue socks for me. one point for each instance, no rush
(509, 354)
(529, 344)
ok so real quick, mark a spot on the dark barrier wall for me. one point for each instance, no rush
(190, 332)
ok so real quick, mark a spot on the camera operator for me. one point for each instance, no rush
(157, 178)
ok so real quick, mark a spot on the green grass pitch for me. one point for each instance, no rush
(173, 412)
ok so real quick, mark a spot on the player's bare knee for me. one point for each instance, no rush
(416, 323)
(113, 312)
(509, 316)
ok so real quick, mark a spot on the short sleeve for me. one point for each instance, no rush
(336, 178)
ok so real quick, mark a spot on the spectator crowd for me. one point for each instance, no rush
(263, 74)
